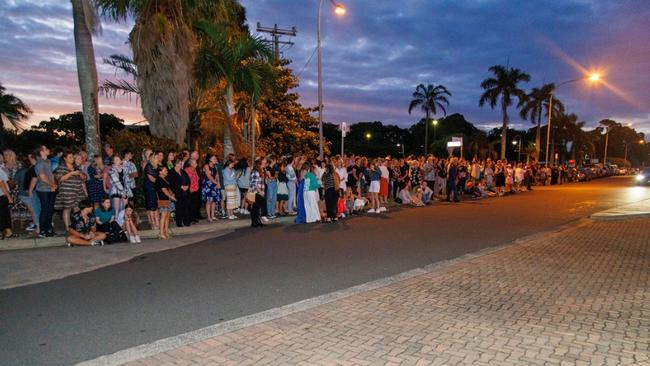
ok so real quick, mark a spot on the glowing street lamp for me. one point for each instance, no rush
(339, 10)
(368, 136)
(435, 123)
(593, 78)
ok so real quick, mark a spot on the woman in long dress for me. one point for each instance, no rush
(301, 218)
(311, 196)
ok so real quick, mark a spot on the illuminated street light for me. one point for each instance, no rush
(339, 10)
(517, 142)
(368, 136)
(593, 77)
(435, 123)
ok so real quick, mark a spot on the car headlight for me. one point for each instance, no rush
(640, 177)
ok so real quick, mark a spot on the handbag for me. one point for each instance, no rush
(283, 189)
(163, 203)
(250, 197)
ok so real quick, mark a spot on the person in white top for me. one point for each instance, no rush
(519, 177)
(342, 171)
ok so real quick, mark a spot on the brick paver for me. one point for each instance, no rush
(577, 297)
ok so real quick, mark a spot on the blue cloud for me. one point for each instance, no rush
(379, 51)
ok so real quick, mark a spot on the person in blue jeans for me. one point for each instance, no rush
(271, 187)
(45, 190)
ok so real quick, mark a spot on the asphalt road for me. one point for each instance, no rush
(167, 293)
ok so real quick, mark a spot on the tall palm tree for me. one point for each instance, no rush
(86, 22)
(13, 112)
(242, 62)
(532, 107)
(164, 46)
(503, 86)
(430, 98)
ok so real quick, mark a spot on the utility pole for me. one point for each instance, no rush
(276, 33)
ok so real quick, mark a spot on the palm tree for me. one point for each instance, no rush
(164, 45)
(504, 86)
(569, 129)
(430, 99)
(242, 62)
(86, 22)
(13, 112)
(533, 105)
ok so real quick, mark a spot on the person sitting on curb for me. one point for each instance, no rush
(82, 230)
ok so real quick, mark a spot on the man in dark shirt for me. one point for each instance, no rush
(452, 181)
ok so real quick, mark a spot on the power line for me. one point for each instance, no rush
(307, 63)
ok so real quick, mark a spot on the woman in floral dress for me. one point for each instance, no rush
(211, 189)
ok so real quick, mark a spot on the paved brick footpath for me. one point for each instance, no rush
(577, 297)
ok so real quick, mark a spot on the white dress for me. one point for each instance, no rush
(311, 203)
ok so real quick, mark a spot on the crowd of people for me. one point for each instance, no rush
(96, 197)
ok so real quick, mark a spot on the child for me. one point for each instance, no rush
(348, 199)
(128, 220)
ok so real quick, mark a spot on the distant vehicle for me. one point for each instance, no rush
(623, 171)
(584, 174)
(612, 169)
(643, 178)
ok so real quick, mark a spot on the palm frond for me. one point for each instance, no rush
(111, 89)
(123, 63)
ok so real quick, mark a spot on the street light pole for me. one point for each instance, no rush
(606, 142)
(339, 10)
(320, 85)
(594, 77)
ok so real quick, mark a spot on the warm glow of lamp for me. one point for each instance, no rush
(435, 122)
(594, 77)
(514, 142)
(368, 136)
(339, 9)
(642, 141)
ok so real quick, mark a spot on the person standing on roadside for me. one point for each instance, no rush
(46, 190)
(291, 185)
(5, 201)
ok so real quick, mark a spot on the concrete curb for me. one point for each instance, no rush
(635, 210)
(166, 344)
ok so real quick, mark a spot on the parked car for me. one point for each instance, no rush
(584, 174)
(643, 178)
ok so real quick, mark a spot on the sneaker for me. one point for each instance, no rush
(372, 210)
(68, 244)
(264, 219)
(272, 217)
(382, 209)
(31, 227)
(137, 239)
(132, 239)
(232, 217)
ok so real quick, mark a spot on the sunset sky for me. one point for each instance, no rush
(377, 53)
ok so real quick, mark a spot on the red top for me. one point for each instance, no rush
(194, 179)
